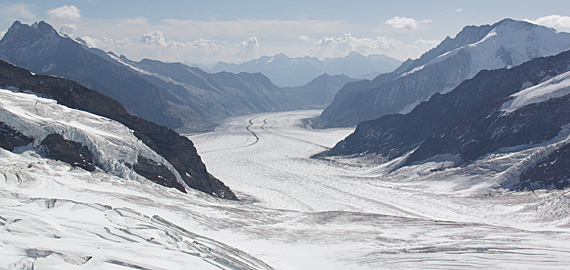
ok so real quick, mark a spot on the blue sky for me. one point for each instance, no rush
(236, 31)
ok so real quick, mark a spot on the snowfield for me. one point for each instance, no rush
(295, 213)
(558, 86)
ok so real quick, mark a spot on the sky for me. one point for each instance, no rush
(207, 31)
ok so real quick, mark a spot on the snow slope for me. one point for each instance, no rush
(111, 143)
(296, 213)
(558, 86)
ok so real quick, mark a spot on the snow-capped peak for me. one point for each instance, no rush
(506, 43)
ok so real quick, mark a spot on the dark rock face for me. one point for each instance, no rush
(176, 149)
(553, 172)
(10, 138)
(157, 173)
(467, 121)
(55, 146)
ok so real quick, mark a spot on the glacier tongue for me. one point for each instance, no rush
(112, 144)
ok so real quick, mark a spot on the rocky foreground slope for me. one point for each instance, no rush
(89, 138)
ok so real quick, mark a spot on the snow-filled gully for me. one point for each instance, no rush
(295, 213)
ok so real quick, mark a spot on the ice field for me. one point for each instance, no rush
(295, 213)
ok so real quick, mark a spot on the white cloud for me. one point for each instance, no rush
(154, 45)
(251, 42)
(459, 10)
(17, 11)
(105, 43)
(2, 34)
(405, 23)
(555, 21)
(155, 38)
(334, 47)
(249, 48)
(426, 43)
(64, 13)
(67, 29)
(303, 38)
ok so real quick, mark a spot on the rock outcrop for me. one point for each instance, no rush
(10, 138)
(55, 146)
(552, 172)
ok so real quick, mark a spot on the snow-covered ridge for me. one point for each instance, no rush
(111, 143)
(511, 43)
(558, 86)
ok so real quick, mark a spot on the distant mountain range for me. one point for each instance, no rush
(170, 94)
(89, 130)
(506, 43)
(318, 93)
(291, 72)
(522, 109)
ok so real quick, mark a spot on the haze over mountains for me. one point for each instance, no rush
(506, 43)
(170, 94)
(173, 94)
(292, 72)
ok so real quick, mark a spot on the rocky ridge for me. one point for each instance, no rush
(471, 120)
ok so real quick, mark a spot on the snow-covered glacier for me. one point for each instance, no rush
(295, 212)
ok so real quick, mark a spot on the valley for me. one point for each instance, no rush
(305, 147)
(270, 152)
(295, 213)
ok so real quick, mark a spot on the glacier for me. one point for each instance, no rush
(295, 212)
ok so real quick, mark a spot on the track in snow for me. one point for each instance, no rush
(248, 128)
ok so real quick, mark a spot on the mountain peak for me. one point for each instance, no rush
(23, 33)
(510, 23)
(44, 28)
